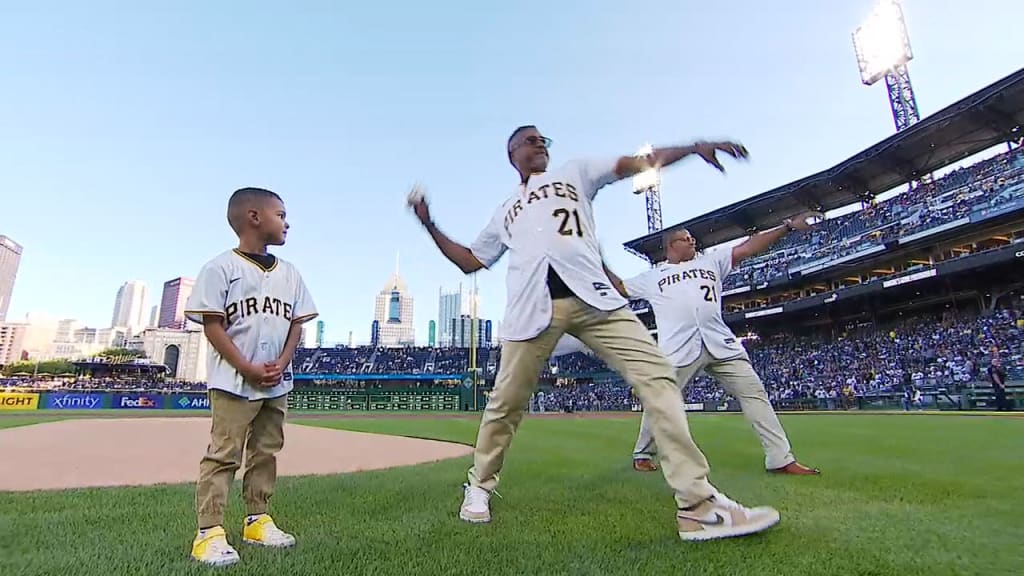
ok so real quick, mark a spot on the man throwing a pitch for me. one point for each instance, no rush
(557, 285)
(685, 294)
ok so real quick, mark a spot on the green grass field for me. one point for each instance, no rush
(901, 495)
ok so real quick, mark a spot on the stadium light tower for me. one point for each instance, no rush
(648, 183)
(883, 49)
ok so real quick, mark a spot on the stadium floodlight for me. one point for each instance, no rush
(882, 43)
(648, 183)
(646, 179)
(883, 50)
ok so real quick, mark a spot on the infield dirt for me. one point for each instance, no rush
(102, 452)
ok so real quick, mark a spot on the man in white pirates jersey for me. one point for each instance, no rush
(252, 306)
(685, 293)
(557, 285)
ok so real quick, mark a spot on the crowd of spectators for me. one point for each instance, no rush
(43, 383)
(948, 351)
(340, 360)
(406, 360)
(600, 396)
(987, 184)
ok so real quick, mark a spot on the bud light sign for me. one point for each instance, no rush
(190, 402)
(137, 401)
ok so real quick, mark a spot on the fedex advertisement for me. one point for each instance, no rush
(72, 401)
(137, 401)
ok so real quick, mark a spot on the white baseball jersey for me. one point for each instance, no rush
(687, 305)
(259, 307)
(549, 221)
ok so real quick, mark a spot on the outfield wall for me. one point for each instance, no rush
(453, 400)
(315, 400)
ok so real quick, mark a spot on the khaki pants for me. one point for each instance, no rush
(738, 378)
(621, 340)
(255, 427)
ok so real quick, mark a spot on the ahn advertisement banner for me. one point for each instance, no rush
(19, 401)
(189, 402)
(71, 401)
(137, 402)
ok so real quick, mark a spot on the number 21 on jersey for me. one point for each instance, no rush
(710, 293)
(570, 224)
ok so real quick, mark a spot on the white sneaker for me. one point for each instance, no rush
(476, 506)
(721, 517)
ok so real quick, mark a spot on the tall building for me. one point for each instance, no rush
(130, 306)
(172, 303)
(12, 342)
(65, 329)
(40, 333)
(10, 259)
(393, 314)
(462, 332)
(154, 317)
(451, 306)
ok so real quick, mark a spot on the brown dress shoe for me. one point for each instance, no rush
(797, 469)
(644, 465)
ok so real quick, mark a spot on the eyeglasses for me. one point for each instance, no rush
(533, 141)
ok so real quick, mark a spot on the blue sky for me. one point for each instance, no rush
(124, 129)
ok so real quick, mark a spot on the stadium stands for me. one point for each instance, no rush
(101, 384)
(946, 200)
(406, 360)
(951, 352)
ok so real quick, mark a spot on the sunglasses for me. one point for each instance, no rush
(533, 141)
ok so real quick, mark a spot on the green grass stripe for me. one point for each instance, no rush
(900, 496)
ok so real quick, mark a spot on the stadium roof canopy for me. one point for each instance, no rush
(990, 116)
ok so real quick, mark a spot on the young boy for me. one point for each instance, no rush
(252, 306)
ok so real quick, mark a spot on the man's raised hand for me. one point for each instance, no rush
(708, 152)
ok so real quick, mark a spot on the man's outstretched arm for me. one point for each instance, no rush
(662, 157)
(761, 241)
(453, 251)
(458, 254)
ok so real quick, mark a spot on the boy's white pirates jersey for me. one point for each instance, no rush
(687, 302)
(259, 307)
(549, 221)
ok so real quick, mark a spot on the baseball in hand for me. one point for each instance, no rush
(416, 195)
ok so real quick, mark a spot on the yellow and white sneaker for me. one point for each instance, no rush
(211, 547)
(260, 530)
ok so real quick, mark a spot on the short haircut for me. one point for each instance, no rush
(508, 145)
(243, 199)
(669, 232)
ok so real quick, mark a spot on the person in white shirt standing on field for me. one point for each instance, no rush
(557, 285)
(252, 306)
(685, 294)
